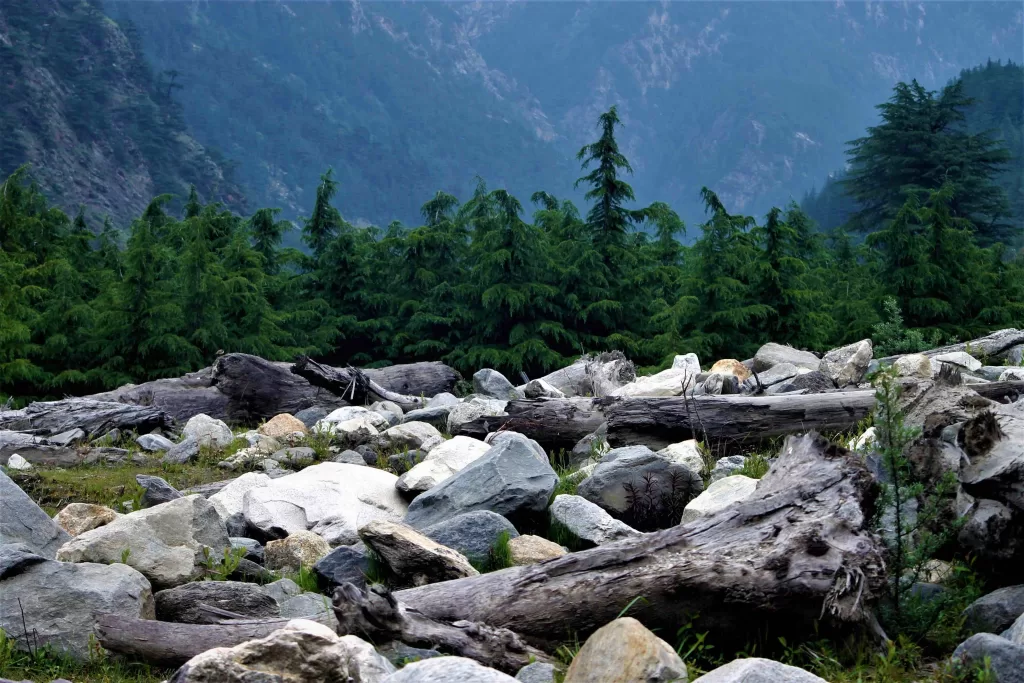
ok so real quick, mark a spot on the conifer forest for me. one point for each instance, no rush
(929, 244)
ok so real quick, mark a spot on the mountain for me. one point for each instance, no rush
(755, 100)
(83, 108)
(403, 99)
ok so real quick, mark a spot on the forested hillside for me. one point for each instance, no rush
(81, 105)
(522, 285)
(996, 92)
(403, 99)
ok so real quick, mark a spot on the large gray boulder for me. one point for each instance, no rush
(473, 534)
(60, 600)
(492, 383)
(448, 670)
(509, 479)
(182, 603)
(1015, 634)
(331, 499)
(538, 672)
(758, 670)
(184, 451)
(589, 523)
(996, 467)
(640, 487)
(22, 521)
(625, 651)
(996, 612)
(848, 364)
(154, 443)
(1005, 659)
(165, 542)
(302, 652)
(772, 354)
(813, 382)
(409, 436)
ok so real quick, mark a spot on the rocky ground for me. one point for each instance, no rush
(260, 521)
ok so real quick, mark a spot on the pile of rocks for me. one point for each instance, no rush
(344, 493)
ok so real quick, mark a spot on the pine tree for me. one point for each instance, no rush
(267, 233)
(322, 226)
(920, 145)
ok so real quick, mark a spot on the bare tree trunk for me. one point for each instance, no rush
(554, 422)
(258, 389)
(376, 615)
(172, 644)
(95, 418)
(1012, 390)
(726, 423)
(357, 386)
(797, 551)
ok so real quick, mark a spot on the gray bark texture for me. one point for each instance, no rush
(798, 551)
(95, 418)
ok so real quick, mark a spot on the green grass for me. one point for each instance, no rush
(110, 485)
(304, 578)
(46, 664)
(755, 466)
(498, 557)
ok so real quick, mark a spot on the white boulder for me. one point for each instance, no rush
(721, 494)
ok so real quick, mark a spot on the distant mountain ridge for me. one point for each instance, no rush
(753, 99)
(81, 106)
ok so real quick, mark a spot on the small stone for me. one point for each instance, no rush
(472, 533)
(590, 524)
(208, 431)
(538, 672)
(344, 564)
(442, 399)
(448, 670)
(253, 549)
(154, 443)
(730, 366)
(1012, 375)
(299, 455)
(726, 467)
(772, 354)
(282, 590)
(181, 453)
(18, 463)
(959, 358)
(848, 364)
(281, 426)
(758, 670)
(349, 458)
(688, 361)
(539, 388)
(533, 549)
(300, 549)
(720, 495)
(412, 557)
(624, 651)
(156, 491)
(77, 518)
(400, 654)
(409, 436)
(914, 365)
(310, 416)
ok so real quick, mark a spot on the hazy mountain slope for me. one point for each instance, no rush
(81, 106)
(754, 99)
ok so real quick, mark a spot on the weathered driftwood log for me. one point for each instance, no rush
(725, 422)
(172, 644)
(95, 418)
(179, 397)
(798, 551)
(375, 615)
(259, 389)
(554, 423)
(355, 386)
(1000, 391)
(729, 422)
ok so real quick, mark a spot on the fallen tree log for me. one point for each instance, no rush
(989, 346)
(358, 387)
(95, 418)
(375, 615)
(258, 389)
(555, 423)
(1000, 391)
(798, 553)
(180, 397)
(598, 375)
(171, 644)
(726, 423)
